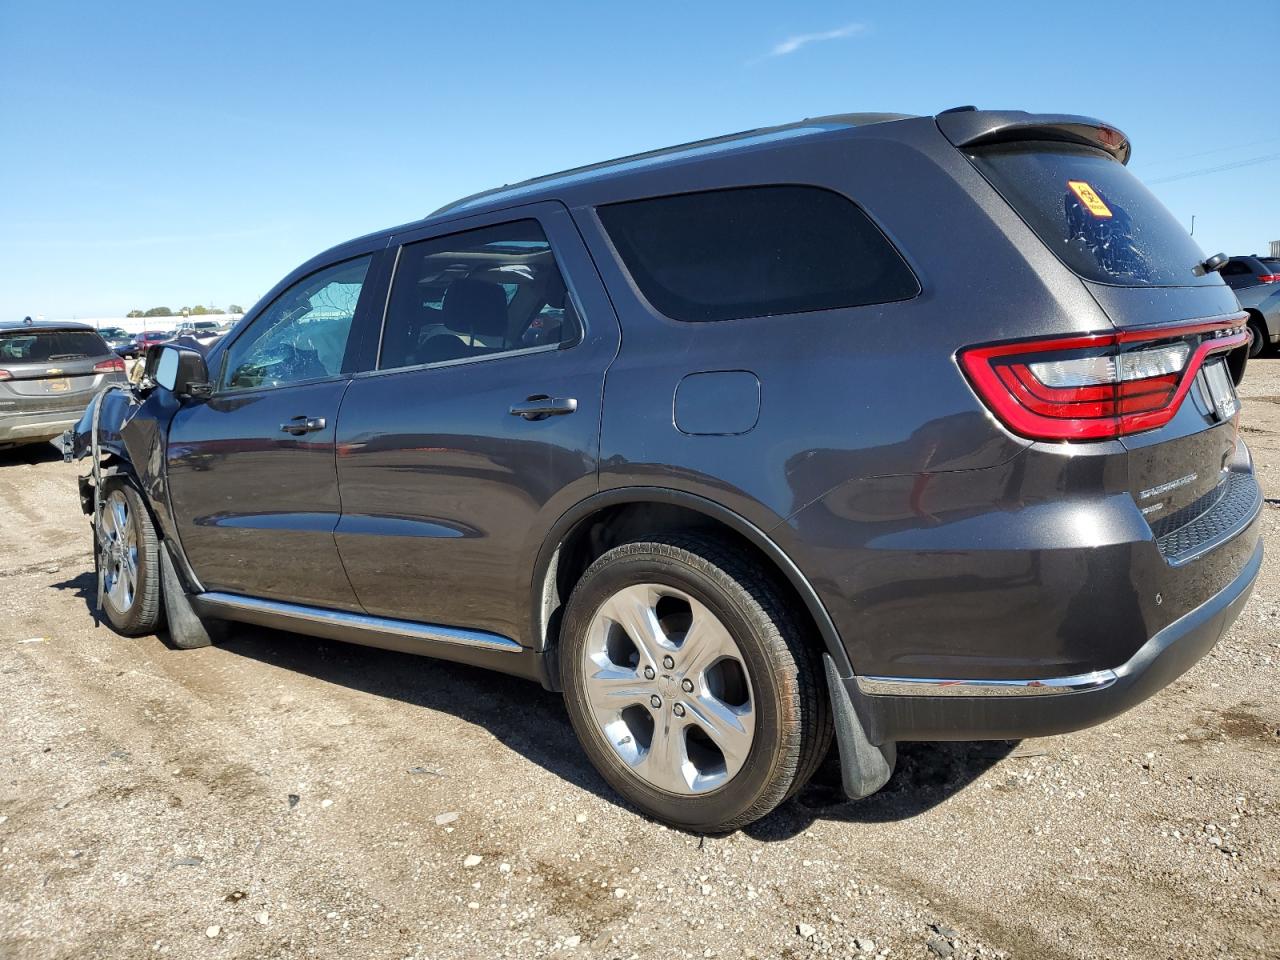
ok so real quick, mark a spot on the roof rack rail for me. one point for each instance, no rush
(839, 119)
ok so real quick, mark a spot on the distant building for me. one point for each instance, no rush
(1275, 248)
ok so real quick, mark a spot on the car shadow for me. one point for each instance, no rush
(532, 722)
(926, 775)
(28, 454)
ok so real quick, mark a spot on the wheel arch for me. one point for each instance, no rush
(611, 517)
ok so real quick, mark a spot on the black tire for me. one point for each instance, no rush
(133, 612)
(1259, 343)
(792, 713)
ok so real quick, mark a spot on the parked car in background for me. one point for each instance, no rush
(48, 373)
(906, 428)
(206, 332)
(1256, 281)
(137, 346)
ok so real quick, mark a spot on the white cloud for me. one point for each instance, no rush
(792, 44)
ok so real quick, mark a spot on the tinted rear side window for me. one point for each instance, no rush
(755, 251)
(47, 345)
(1094, 214)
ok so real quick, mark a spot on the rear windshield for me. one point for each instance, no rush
(22, 346)
(755, 252)
(1094, 214)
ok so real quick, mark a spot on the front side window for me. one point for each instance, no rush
(476, 294)
(303, 334)
(755, 252)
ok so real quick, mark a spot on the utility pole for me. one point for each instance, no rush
(1193, 224)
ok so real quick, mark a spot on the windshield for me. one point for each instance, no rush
(1094, 214)
(47, 345)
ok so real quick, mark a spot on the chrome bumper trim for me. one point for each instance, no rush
(228, 604)
(931, 687)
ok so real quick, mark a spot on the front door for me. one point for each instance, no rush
(480, 425)
(251, 470)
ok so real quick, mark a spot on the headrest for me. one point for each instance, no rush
(475, 308)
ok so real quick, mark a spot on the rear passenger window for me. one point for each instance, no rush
(477, 294)
(755, 251)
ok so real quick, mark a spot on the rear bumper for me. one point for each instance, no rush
(30, 428)
(915, 709)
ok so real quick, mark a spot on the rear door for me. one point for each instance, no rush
(480, 425)
(251, 470)
(51, 371)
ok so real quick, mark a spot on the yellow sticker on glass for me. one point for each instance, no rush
(1089, 197)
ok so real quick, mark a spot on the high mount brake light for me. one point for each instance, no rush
(1099, 386)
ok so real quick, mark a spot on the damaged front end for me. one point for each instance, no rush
(122, 434)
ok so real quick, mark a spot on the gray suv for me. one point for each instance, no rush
(48, 374)
(892, 428)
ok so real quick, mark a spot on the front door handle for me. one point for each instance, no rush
(302, 424)
(540, 407)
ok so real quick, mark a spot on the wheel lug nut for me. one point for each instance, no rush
(668, 662)
(687, 686)
(649, 673)
(678, 709)
(655, 701)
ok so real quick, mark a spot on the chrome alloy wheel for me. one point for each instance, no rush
(668, 688)
(118, 551)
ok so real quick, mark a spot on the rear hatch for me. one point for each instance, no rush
(1159, 377)
(51, 371)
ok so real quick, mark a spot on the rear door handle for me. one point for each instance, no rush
(302, 424)
(541, 407)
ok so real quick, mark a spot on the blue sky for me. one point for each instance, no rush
(169, 154)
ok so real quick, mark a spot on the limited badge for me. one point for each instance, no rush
(1089, 197)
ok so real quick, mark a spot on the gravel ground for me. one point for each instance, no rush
(278, 796)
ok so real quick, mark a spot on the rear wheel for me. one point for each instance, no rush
(1258, 343)
(128, 563)
(690, 684)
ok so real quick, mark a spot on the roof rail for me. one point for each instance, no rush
(832, 121)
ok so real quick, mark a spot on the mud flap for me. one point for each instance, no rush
(864, 766)
(186, 630)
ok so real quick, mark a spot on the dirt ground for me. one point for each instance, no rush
(277, 796)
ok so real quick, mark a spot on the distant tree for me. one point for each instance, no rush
(235, 308)
(134, 314)
(200, 311)
(159, 312)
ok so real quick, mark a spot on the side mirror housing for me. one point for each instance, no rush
(180, 370)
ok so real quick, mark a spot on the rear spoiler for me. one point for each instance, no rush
(966, 127)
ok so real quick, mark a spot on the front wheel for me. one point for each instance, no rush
(690, 683)
(128, 563)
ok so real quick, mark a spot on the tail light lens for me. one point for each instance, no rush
(115, 365)
(1099, 386)
(1269, 278)
(5, 375)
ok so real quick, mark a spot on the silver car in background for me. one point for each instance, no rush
(48, 374)
(1256, 282)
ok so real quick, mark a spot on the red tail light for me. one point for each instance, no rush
(115, 365)
(1096, 386)
(5, 375)
(1269, 278)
